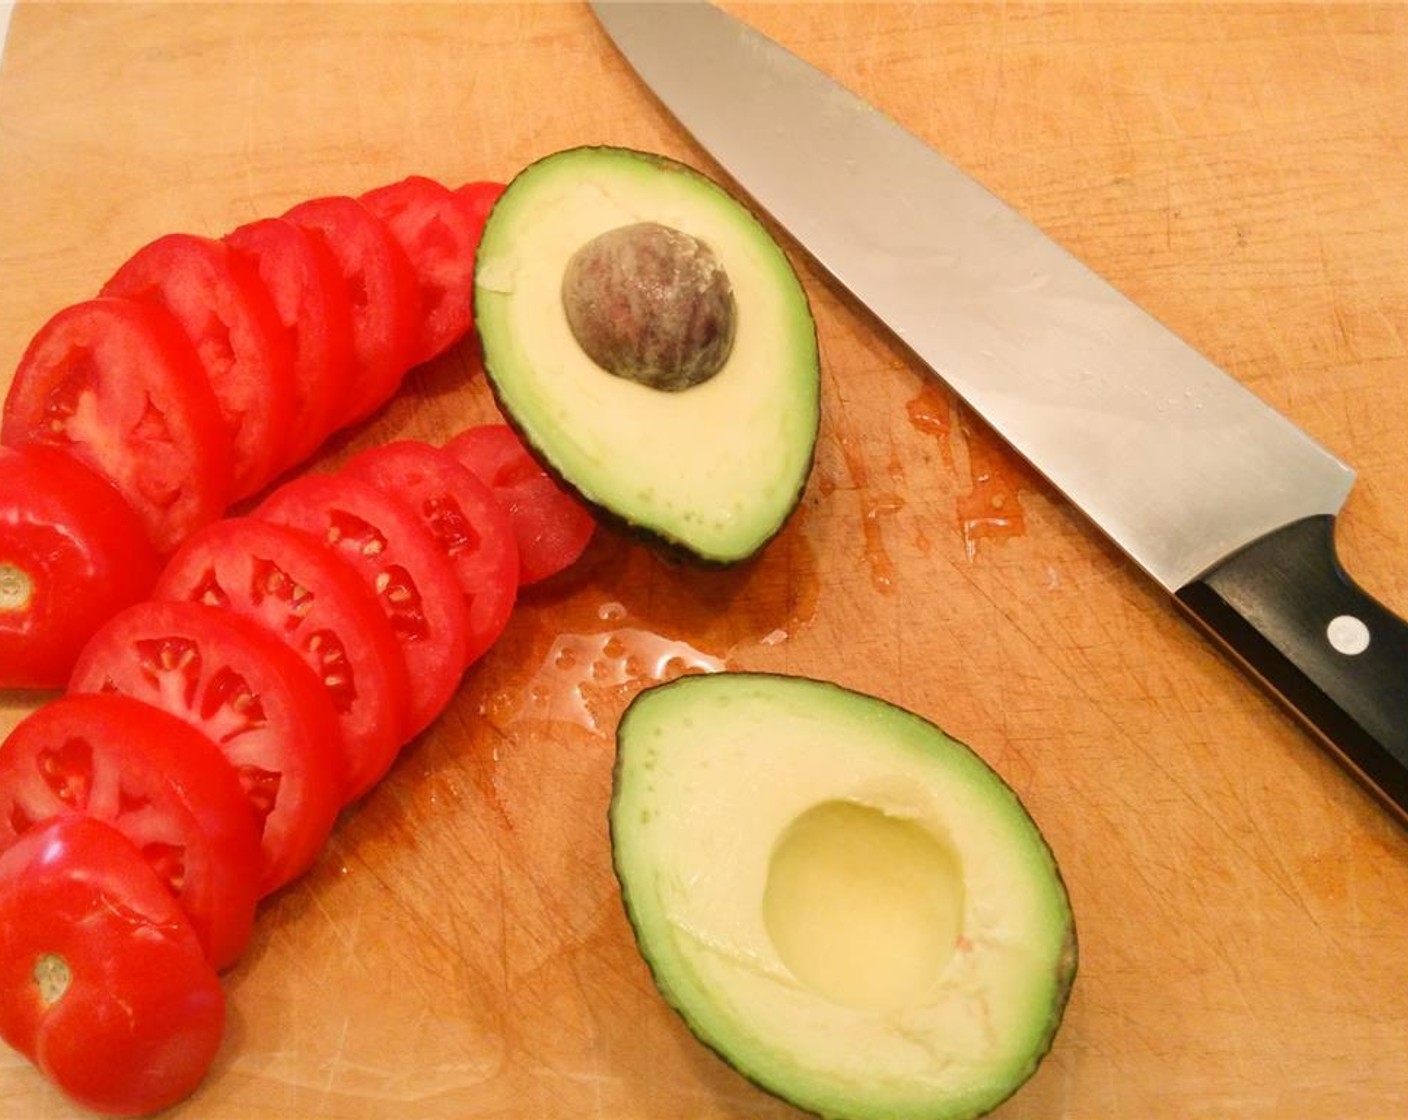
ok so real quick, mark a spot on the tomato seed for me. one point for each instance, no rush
(169, 862)
(68, 772)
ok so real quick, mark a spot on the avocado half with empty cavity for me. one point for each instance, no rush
(653, 346)
(849, 906)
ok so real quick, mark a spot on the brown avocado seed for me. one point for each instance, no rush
(651, 304)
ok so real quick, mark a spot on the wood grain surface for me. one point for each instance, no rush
(460, 950)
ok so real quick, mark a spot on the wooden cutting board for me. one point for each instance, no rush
(460, 951)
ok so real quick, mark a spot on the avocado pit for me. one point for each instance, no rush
(651, 304)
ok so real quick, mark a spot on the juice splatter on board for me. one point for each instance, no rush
(991, 509)
(579, 648)
(878, 508)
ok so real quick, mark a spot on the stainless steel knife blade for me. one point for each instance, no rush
(1215, 495)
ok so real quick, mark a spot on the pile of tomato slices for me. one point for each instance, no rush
(199, 372)
(212, 732)
(229, 686)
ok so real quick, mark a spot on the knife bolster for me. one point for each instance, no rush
(1285, 608)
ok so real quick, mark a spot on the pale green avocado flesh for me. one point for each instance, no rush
(714, 469)
(846, 904)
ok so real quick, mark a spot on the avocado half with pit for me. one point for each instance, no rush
(849, 906)
(653, 346)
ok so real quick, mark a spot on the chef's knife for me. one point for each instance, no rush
(1215, 495)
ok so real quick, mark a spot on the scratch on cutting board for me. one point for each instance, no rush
(335, 1062)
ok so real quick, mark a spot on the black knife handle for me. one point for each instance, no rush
(1336, 656)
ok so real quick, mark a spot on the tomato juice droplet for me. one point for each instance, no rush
(991, 507)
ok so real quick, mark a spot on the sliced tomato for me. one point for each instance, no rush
(162, 783)
(303, 279)
(439, 237)
(477, 199)
(289, 581)
(72, 553)
(552, 526)
(104, 985)
(251, 695)
(466, 520)
(381, 285)
(226, 312)
(385, 541)
(116, 383)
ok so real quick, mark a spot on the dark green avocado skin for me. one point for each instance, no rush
(1069, 965)
(671, 550)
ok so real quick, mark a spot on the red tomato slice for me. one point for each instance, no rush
(381, 285)
(303, 278)
(477, 199)
(552, 526)
(72, 553)
(251, 695)
(218, 299)
(298, 589)
(116, 383)
(103, 983)
(163, 784)
(439, 237)
(385, 542)
(462, 514)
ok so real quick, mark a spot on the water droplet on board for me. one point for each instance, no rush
(586, 678)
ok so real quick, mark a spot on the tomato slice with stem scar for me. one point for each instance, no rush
(104, 985)
(72, 553)
(251, 695)
(288, 581)
(385, 541)
(161, 783)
